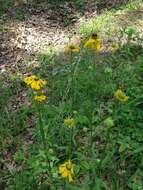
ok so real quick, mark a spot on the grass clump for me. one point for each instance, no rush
(110, 22)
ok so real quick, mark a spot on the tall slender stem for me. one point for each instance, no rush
(70, 143)
(91, 164)
(42, 132)
(43, 138)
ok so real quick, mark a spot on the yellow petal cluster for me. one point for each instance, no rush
(69, 122)
(66, 170)
(93, 44)
(72, 48)
(40, 98)
(120, 95)
(34, 82)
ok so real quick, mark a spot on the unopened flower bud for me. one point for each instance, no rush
(85, 129)
(109, 122)
(51, 151)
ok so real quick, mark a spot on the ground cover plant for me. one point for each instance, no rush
(79, 123)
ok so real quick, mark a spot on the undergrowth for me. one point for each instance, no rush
(76, 124)
(81, 120)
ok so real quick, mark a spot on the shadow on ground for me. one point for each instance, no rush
(32, 26)
(63, 11)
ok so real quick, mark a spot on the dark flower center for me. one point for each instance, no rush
(94, 36)
(68, 167)
(72, 47)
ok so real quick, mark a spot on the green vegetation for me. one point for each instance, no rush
(89, 119)
(110, 22)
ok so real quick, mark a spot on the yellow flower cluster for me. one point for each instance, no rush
(36, 84)
(120, 95)
(66, 170)
(93, 42)
(69, 122)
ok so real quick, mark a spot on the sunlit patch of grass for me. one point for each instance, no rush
(99, 24)
(132, 5)
(110, 22)
(46, 54)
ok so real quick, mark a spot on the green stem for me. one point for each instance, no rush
(67, 185)
(70, 145)
(42, 132)
(91, 164)
(91, 137)
(43, 138)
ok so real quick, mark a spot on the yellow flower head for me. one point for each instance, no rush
(40, 98)
(30, 79)
(34, 82)
(93, 44)
(114, 46)
(69, 122)
(72, 48)
(120, 95)
(66, 170)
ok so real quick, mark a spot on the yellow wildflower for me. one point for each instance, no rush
(40, 98)
(30, 79)
(69, 122)
(72, 48)
(120, 95)
(37, 85)
(93, 44)
(114, 46)
(34, 82)
(66, 170)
